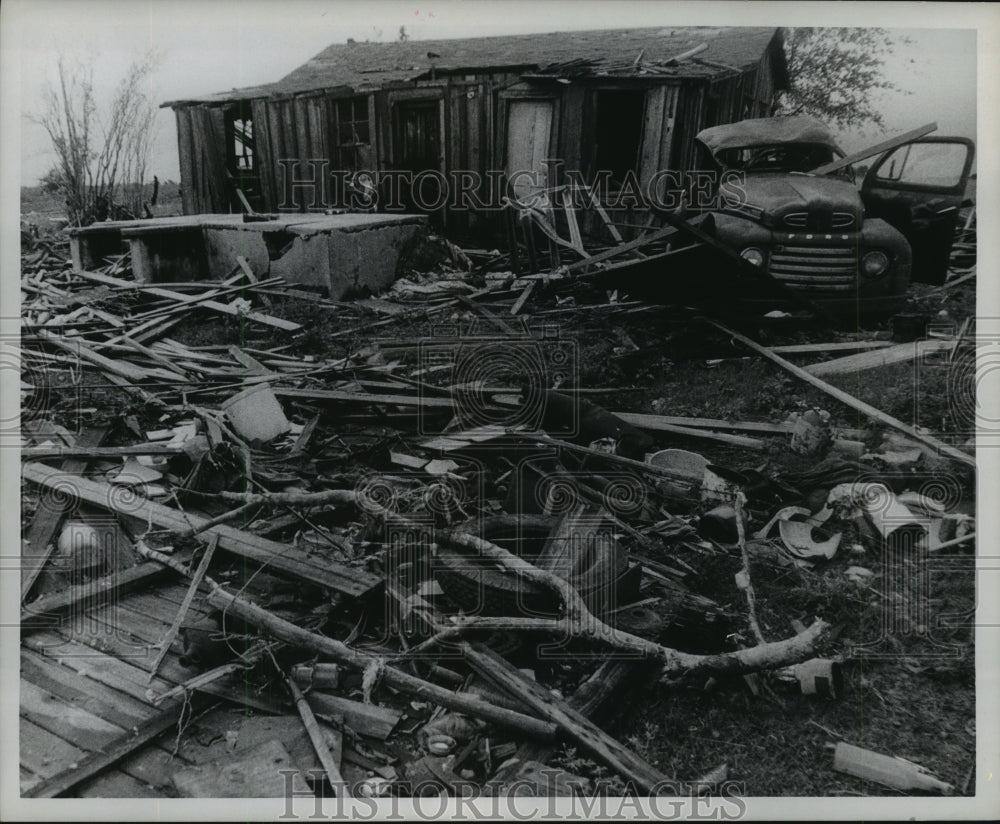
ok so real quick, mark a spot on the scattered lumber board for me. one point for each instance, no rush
(850, 400)
(215, 306)
(878, 148)
(364, 397)
(880, 357)
(279, 557)
(367, 719)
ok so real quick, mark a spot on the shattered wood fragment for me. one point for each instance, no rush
(37, 546)
(241, 609)
(577, 620)
(366, 719)
(591, 738)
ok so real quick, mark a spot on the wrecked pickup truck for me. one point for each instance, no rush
(788, 203)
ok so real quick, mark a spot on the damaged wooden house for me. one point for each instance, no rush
(326, 176)
(628, 102)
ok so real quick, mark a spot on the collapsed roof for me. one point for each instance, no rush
(652, 52)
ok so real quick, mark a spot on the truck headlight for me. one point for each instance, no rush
(874, 264)
(754, 255)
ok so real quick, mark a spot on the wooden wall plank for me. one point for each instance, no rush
(265, 153)
(186, 154)
(652, 136)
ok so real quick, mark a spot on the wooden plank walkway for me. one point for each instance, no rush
(84, 687)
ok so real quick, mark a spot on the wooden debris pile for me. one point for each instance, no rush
(416, 568)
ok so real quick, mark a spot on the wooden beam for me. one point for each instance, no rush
(660, 234)
(94, 452)
(215, 306)
(196, 579)
(363, 397)
(877, 149)
(571, 723)
(279, 557)
(879, 357)
(42, 613)
(850, 400)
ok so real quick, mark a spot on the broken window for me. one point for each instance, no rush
(350, 133)
(242, 155)
(618, 131)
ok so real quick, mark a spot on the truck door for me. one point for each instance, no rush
(919, 187)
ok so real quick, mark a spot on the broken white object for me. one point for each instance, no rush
(256, 414)
(797, 537)
(781, 515)
(715, 489)
(877, 502)
(133, 472)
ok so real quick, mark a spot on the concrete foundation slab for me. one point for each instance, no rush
(344, 253)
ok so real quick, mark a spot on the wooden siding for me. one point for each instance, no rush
(473, 126)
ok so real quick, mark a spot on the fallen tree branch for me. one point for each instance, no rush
(297, 636)
(577, 621)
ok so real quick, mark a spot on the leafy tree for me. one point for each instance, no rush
(837, 74)
(101, 158)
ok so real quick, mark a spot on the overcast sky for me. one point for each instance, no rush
(207, 46)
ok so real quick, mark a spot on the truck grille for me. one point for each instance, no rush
(816, 268)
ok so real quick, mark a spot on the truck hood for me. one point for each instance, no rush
(801, 202)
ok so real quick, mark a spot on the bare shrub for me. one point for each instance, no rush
(101, 160)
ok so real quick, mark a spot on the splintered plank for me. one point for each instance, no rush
(77, 726)
(848, 399)
(367, 719)
(880, 357)
(279, 557)
(44, 754)
(45, 612)
(198, 301)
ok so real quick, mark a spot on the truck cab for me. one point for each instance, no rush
(854, 249)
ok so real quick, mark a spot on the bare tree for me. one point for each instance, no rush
(836, 73)
(101, 161)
